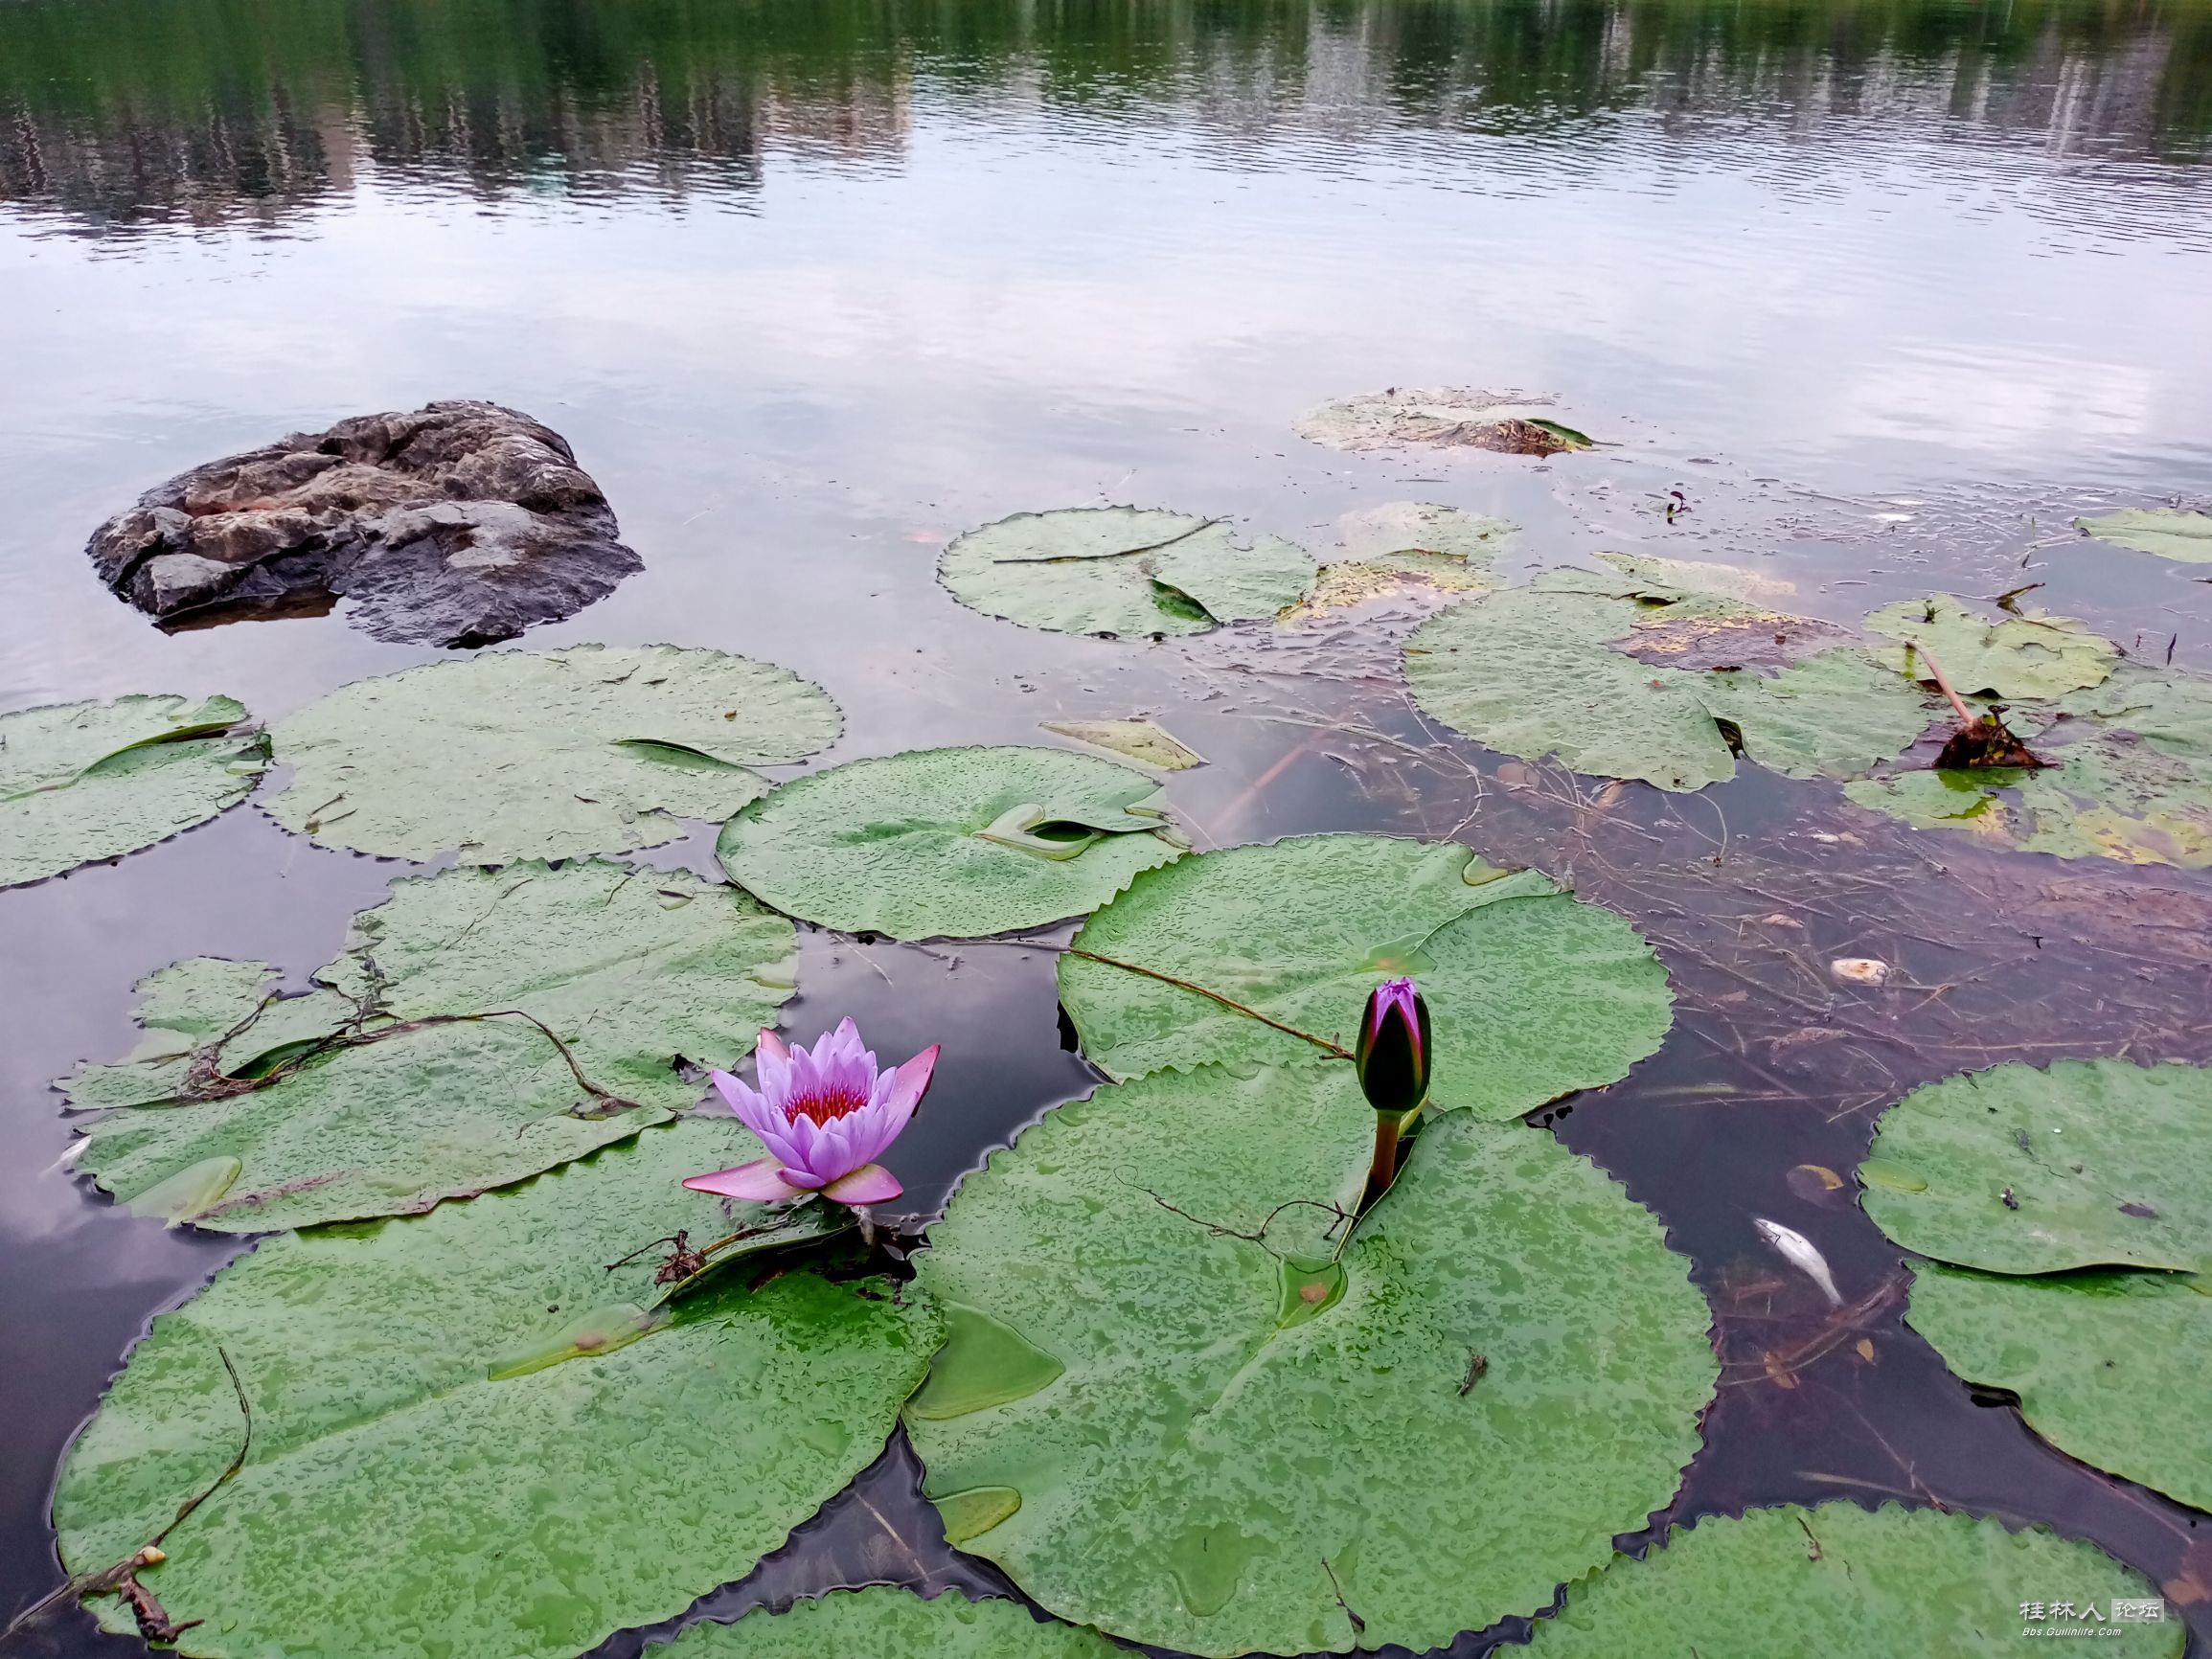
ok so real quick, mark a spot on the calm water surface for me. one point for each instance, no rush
(1888, 291)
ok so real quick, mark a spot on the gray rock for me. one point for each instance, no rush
(457, 524)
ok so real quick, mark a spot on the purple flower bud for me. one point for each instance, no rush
(1393, 1050)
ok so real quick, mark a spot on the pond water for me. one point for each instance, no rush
(1887, 292)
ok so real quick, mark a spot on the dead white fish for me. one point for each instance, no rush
(68, 1159)
(1794, 1248)
(1859, 970)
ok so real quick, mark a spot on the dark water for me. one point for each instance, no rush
(1889, 292)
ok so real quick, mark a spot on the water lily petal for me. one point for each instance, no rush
(758, 1114)
(868, 1183)
(803, 1179)
(773, 1060)
(761, 1181)
(897, 1094)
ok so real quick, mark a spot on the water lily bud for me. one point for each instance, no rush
(1393, 1050)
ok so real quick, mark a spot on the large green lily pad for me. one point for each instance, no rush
(951, 843)
(2110, 1364)
(2025, 1170)
(2168, 532)
(1534, 993)
(2022, 656)
(1837, 1582)
(1544, 672)
(1165, 1413)
(82, 781)
(472, 1440)
(542, 753)
(2130, 778)
(895, 1625)
(647, 976)
(1125, 571)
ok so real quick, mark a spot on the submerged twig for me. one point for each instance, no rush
(1334, 1051)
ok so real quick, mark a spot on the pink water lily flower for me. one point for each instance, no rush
(824, 1115)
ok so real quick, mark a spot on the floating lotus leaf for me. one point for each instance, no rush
(2130, 778)
(1399, 526)
(1125, 571)
(2109, 1364)
(1166, 1413)
(2165, 531)
(470, 1439)
(542, 753)
(648, 977)
(1340, 587)
(1544, 672)
(951, 843)
(1140, 741)
(2020, 1169)
(2022, 656)
(82, 782)
(1837, 1582)
(1445, 416)
(894, 1625)
(1690, 576)
(1534, 993)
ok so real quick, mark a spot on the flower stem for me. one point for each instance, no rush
(1388, 1127)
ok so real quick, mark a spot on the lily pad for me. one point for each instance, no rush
(2130, 778)
(1534, 993)
(82, 781)
(1351, 582)
(1446, 417)
(2023, 1169)
(1122, 571)
(470, 1439)
(1543, 670)
(1218, 1441)
(542, 753)
(1398, 527)
(361, 1099)
(847, 1623)
(2165, 531)
(2109, 1364)
(1836, 1581)
(1691, 576)
(2022, 656)
(951, 843)
(1143, 741)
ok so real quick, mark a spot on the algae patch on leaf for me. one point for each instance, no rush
(1840, 1582)
(82, 781)
(1534, 993)
(431, 1485)
(542, 753)
(951, 843)
(892, 1623)
(1216, 1462)
(1126, 572)
(373, 1096)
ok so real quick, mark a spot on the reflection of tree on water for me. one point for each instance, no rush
(208, 111)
